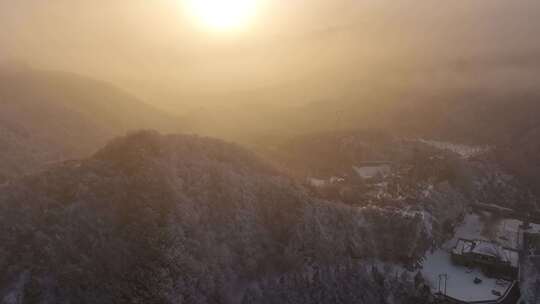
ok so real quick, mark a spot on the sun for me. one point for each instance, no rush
(223, 15)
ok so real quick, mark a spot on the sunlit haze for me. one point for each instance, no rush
(223, 15)
(269, 151)
(203, 57)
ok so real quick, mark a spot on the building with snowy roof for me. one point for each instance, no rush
(493, 259)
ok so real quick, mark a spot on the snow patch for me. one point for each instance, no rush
(465, 151)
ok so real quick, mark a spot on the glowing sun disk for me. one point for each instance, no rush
(223, 14)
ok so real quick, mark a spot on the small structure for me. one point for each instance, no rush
(373, 169)
(494, 260)
(531, 244)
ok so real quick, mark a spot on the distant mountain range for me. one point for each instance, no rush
(506, 120)
(50, 116)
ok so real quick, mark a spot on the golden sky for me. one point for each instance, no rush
(156, 50)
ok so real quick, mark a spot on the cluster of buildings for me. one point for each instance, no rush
(484, 263)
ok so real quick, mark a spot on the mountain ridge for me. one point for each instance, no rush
(52, 116)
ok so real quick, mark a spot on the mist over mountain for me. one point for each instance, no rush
(269, 152)
(50, 116)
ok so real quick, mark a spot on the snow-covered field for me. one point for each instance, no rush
(460, 283)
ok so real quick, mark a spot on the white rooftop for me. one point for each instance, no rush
(484, 226)
(489, 249)
(372, 170)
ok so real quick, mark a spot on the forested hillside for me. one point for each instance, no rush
(181, 219)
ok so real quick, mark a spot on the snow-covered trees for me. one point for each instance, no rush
(182, 219)
(149, 219)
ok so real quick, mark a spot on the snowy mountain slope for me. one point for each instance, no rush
(182, 219)
(149, 218)
(169, 219)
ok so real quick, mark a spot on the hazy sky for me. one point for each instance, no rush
(154, 49)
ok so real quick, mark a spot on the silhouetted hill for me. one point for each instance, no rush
(50, 116)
